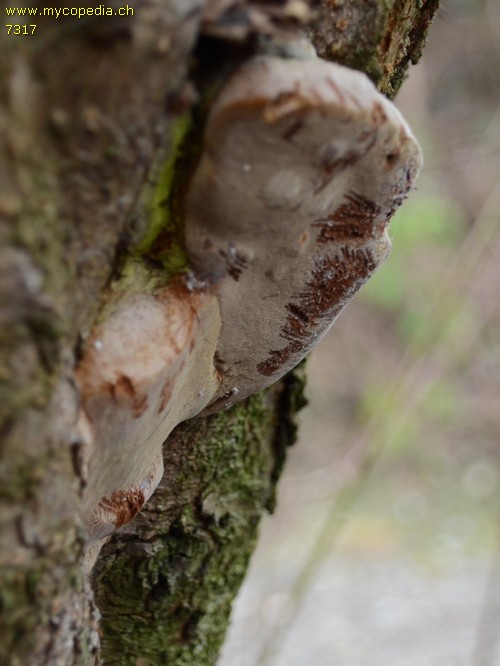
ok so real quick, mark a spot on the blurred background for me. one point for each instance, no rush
(385, 546)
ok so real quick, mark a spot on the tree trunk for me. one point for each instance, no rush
(93, 151)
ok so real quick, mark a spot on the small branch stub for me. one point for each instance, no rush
(303, 165)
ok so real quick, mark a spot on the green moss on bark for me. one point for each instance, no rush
(405, 30)
(162, 243)
(378, 37)
(165, 589)
(192, 544)
(161, 239)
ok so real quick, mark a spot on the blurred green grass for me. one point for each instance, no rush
(427, 228)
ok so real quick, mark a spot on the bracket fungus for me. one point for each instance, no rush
(303, 165)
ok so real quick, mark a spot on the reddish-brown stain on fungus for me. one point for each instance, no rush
(353, 219)
(333, 282)
(293, 130)
(332, 163)
(379, 116)
(331, 83)
(284, 103)
(140, 405)
(124, 389)
(304, 237)
(165, 395)
(124, 504)
(235, 262)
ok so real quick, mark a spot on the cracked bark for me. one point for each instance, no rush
(89, 116)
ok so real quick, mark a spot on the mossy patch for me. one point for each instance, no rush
(161, 240)
(204, 517)
(165, 591)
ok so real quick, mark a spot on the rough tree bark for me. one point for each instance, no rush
(91, 157)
